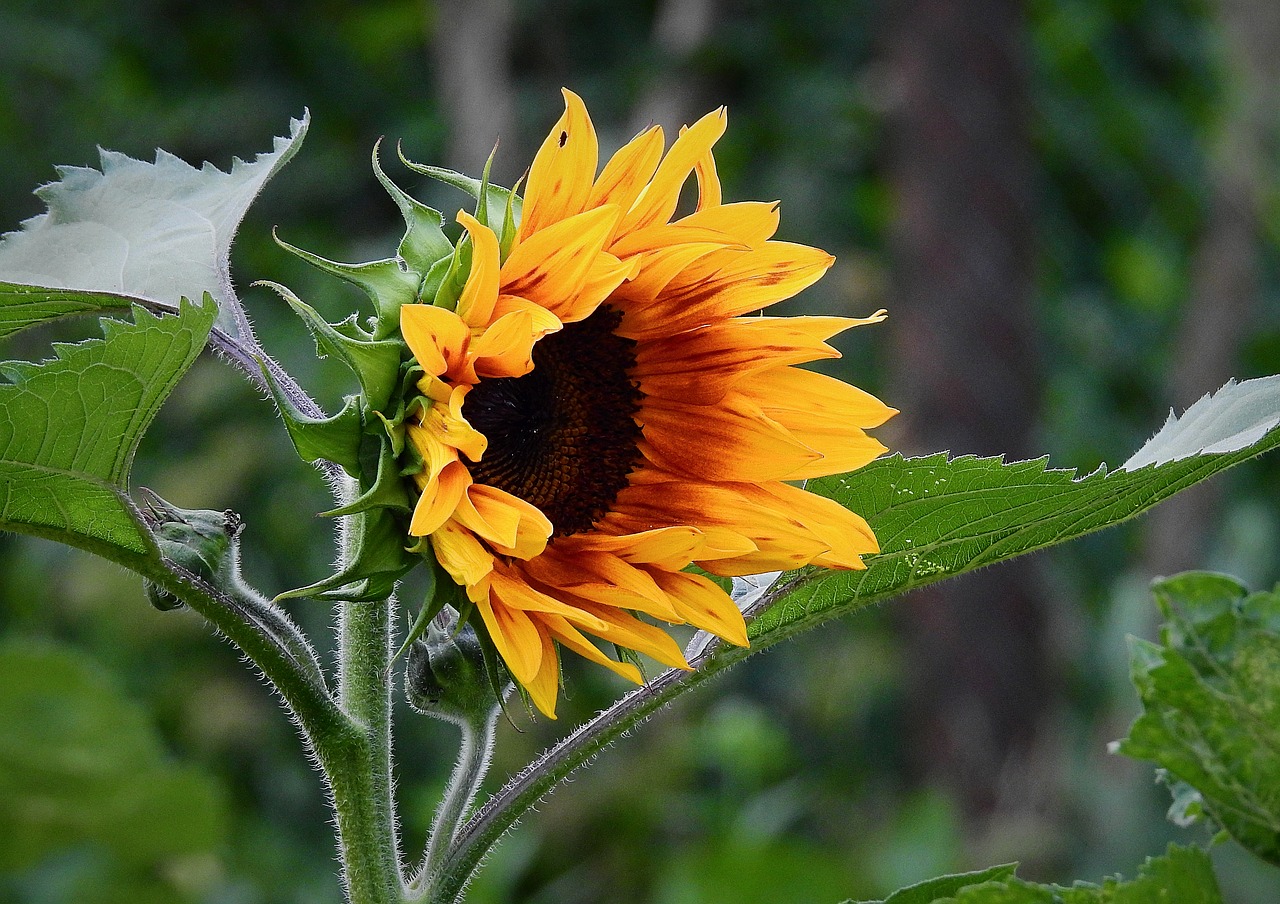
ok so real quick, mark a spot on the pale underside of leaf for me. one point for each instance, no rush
(1233, 418)
(155, 232)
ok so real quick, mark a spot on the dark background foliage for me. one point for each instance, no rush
(1069, 209)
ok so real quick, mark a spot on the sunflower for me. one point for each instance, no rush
(599, 415)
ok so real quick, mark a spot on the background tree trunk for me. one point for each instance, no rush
(471, 52)
(967, 372)
(1226, 271)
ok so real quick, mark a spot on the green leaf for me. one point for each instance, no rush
(1211, 705)
(937, 517)
(80, 763)
(1184, 875)
(944, 886)
(69, 428)
(155, 232)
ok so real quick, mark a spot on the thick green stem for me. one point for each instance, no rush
(359, 768)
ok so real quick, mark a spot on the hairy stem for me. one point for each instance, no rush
(464, 784)
(359, 768)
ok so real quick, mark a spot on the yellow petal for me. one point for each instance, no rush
(475, 304)
(438, 338)
(439, 499)
(551, 266)
(516, 637)
(545, 686)
(628, 171)
(658, 201)
(750, 222)
(463, 556)
(563, 170)
(702, 603)
(572, 638)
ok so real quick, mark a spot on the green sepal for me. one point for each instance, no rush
(378, 561)
(455, 278)
(389, 283)
(440, 271)
(335, 438)
(424, 243)
(375, 362)
(507, 238)
(496, 198)
(434, 597)
(388, 490)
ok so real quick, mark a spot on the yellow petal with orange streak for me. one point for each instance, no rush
(657, 269)
(701, 365)
(826, 400)
(782, 541)
(750, 222)
(551, 266)
(847, 533)
(572, 638)
(670, 547)
(658, 201)
(464, 557)
(505, 349)
(512, 587)
(599, 577)
(605, 276)
(628, 170)
(438, 338)
(544, 322)
(563, 170)
(735, 440)
(475, 304)
(439, 499)
(628, 631)
(742, 282)
(665, 235)
(516, 637)
(703, 604)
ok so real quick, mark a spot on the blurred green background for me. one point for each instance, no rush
(1069, 208)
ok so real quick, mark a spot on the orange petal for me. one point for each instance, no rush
(505, 349)
(563, 170)
(628, 631)
(447, 424)
(602, 578)
(751, 280)
(731, 441)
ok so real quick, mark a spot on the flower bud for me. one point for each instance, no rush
(203, 542)
(447, 675)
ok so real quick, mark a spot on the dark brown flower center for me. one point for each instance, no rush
(563, 437)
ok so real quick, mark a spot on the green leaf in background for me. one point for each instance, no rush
(937, 517)
(69, 428)
(1211, 704)
(155, 232)
(1181, 876)
(940, 888)
(80, 764)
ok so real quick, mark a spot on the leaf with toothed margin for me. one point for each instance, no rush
(937, 517)
(151, 232)
(378, 559)
(69, 428)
